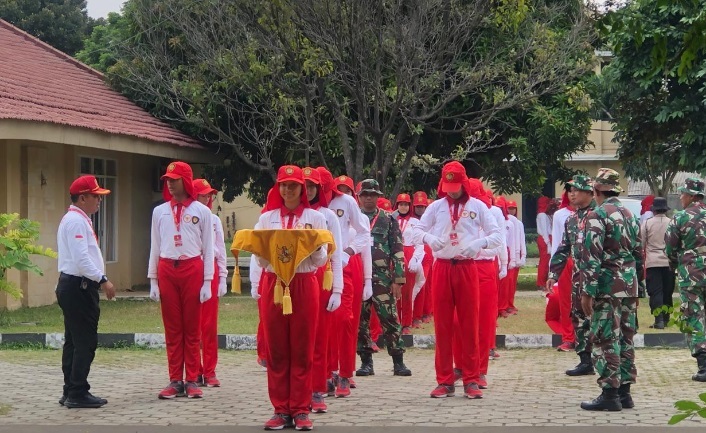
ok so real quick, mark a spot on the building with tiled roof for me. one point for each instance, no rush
(59, 120)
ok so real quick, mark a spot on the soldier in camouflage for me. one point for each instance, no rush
(388, 278)
(685, 245)
(581, 199)
(611, 276)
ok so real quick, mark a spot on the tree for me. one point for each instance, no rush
(62, 24)
(371, 88)
(98, 48)
(657, 89)
(17, 243)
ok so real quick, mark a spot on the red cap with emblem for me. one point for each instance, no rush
(344, 180)
(384, 203)
(420, 199)
(453, 179)
(87, 185)
(403, 198)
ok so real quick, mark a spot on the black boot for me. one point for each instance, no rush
(608, 400)
(366, 368)
(399, 368)
(585, 367)
(665, 319)
(700, 376)
(625, 397)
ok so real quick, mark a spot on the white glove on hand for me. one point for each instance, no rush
(503, 272)
(513, 265)
(154, 290)
(334, 302)
(367, 290)
(319, 256)
(434, 243)
(474, 248)
(344, 259)
(205, 291)
(255, 292)
(222, 287)
(523, 262)
(419, 281)
(413, 266)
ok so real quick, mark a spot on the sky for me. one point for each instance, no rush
(100, 8)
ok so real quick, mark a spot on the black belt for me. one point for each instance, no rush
(83, 282)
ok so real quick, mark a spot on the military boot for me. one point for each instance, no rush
(607, 401)
(399, 368)
(366, 367)
(585, 367)
(625, 397)
(700, 376)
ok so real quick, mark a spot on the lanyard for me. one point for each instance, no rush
(456, 216)
(404, 221)
(177, 215)
(374, 220)
(90, 223)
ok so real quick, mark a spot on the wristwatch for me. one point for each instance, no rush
(103, 279)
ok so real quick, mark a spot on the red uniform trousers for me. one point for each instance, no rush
(455, 291)
(348, 318)
(321, 345)
(260, 338)
(429, 298)
(290, 340)
(404, 305)
(209, 331)
(487, 315)
(514, 275)
(180, 284)
(424, 295)
(552, 313)
(565, 288)
(543, 267)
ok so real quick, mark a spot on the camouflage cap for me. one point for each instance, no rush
(370, 186)
(607, 179)
(692, 186)
(581, 182)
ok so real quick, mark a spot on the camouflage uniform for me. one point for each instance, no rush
(611, 272)
(388, 268)
(685, 242)
(571, 244)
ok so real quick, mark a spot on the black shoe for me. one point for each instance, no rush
(366, 368)
(86, 401)
(659, 323)
(700, 375)
(607, 401)
(625, 397)
(399, 368)
(584, 368)
(62, 400)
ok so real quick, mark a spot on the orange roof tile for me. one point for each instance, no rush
(40, 83)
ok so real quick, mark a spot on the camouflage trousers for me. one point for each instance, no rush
(386, 310)
(693, 301)
(613, 327)
(582, 325)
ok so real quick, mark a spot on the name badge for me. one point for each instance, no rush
(177, 241)
(453, 236)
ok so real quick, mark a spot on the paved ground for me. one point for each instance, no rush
(527, 388)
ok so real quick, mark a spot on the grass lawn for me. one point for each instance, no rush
(238, 315)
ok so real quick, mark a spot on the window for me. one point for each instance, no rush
(105, 220)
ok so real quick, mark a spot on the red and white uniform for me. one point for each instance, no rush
(209, 309)
(413, 257)
(562, 297)
(455, 279)
(290, 338)
(544, 230)
(181, 260)
(520, 250)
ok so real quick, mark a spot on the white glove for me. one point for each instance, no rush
(344, 259)
(434, 243)
(334, 302)
(154, 290)
(319, 256)
(513, 265)
(503, 272)
(523, 262)
(413, 266)
(419, 281)
(222, 287)
(255, 292)
(474, 248)
(205, 294)
(367, 290)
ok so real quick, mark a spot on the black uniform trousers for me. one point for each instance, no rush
(660, 286)
(78, 299)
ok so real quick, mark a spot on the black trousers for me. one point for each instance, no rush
(78, 299)
(660, 286)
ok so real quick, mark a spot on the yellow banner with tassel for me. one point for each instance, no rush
(284, 250)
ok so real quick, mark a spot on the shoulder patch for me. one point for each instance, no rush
(340, 212)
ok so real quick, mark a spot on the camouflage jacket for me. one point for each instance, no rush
(685, 245)
(387, 247)
(570, 247)
(610, 261)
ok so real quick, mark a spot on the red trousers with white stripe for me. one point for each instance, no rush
(347, 318)
(564, 283)
(456, 293)
(404, 305)
(321, 370)
(290, 340)
(209, 331)
(180, 284)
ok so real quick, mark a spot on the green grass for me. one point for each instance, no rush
(5, 409)
(532, 250)
(238, 315)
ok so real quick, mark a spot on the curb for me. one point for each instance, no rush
(248, 341)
